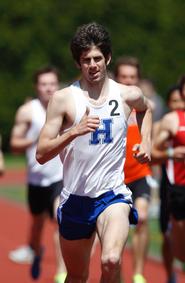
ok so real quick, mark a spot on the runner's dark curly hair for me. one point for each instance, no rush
(89, 35)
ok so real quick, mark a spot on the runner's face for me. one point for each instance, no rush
(127, 75)
(46, 86)
(93, 65)
(175, 101)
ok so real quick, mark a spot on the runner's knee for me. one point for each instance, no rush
(143, 219)
(142, 215)
(110, 261)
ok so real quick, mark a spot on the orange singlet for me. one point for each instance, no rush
(133, 169)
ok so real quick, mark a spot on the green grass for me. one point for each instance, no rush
(14, 161)
(155, 238)
(17, 193)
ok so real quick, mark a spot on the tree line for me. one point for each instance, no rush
(37, 33)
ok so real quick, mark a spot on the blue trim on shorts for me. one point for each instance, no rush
(77, 217)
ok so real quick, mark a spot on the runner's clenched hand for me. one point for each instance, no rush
(87, 124)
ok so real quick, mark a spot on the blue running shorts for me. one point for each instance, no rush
(77, 217)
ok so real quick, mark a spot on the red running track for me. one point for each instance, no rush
(14, 221)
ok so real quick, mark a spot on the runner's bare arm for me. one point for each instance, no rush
(164, 132)
(161, 150)
(18, 141)
(137, 101)
(52, 138)
(158, 156)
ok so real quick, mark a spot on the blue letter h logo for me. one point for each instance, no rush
(102, 135)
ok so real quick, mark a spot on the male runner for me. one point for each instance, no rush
(44, 182)
(87, 125)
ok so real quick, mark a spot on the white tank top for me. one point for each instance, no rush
(50, 172)
(93, 163)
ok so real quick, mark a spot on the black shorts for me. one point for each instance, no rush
(140, 188)
(41, 199)
(177, 201)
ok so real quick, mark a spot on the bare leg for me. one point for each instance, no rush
(167, 253)
(140, 236)
(37, 226)
(178, 236)
(96, 241)
(76, 256)
(113, 227)
(60, 265)
(36, 232)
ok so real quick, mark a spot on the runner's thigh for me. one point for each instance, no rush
(113, 226)
(76, 254)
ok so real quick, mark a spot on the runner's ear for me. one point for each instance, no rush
(108, 59)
